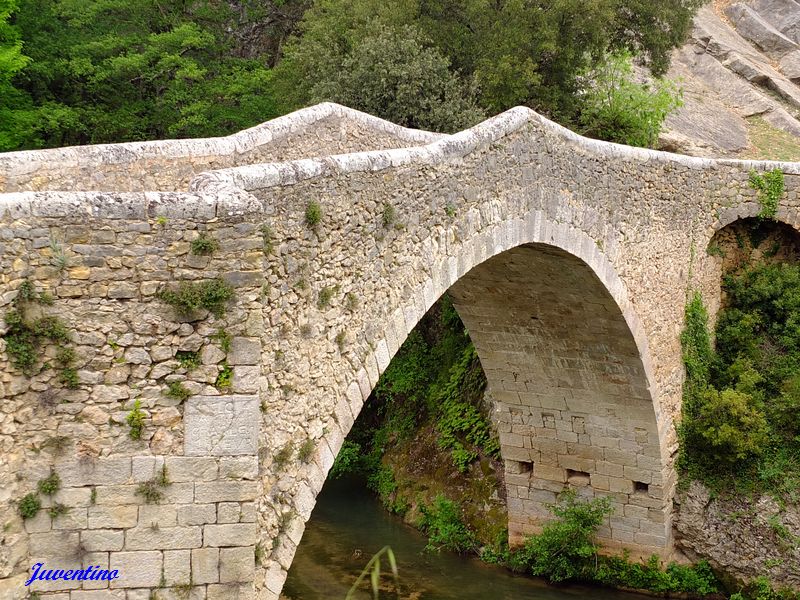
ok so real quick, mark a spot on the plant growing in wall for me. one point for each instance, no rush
(313, 215)
(29, 506)
(769, 188)
(25, 335)
(135, 420)
(190, 297)
(203, 245)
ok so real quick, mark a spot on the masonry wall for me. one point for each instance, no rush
(317, 315)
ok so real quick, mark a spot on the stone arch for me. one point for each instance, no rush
(720, 247)
(640, 488)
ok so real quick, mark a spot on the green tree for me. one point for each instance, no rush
(392, 74)
(114, 70)
(11, 62)
(614, 107)
(517, 52)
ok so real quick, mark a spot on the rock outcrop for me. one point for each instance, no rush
(741, 64)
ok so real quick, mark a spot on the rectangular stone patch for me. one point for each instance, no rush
(221, 425)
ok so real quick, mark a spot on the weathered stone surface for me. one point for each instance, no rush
(136, 569)
(205, 565)
(221, 425)
(242, 534)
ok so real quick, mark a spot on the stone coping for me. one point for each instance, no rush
(260, 176)
(28, 161)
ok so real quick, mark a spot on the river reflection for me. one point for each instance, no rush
(349, 525)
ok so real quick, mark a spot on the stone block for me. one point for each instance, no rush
(98, 471)
(158, 514)
(99, 562)
(221, 425)
(102, 540)
(245, 379)
(197, 514)
(238, 467)
(549, 473)
(96, 595)
(231, 591)
(177, 567)
(115, 495)
(137, 569)
(205, 565)
(168, 538)
(241, 534)
(54, 543)
(113, 517)
(228, 512)
(237, 564)
(245, 351)
(74, 518)
(226, 491)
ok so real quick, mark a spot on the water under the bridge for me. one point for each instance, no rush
(349, 525)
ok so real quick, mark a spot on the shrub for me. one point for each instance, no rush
(444, 527)
(769, 189)
(203, 245)
(189, 360)
(49, 485)
(189, 297)
(313, 215)
(177, 391)
(29, 506)
(733, 429)
(325, 296)
(306, 450)
(389, 215)
(614, 107)
(282, 457)
(135, 420)
(349, 460)
(565, 548)
(225, 377)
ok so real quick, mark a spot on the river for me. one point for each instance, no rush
(349, 525)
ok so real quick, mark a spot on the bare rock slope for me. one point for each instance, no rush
(740, 72)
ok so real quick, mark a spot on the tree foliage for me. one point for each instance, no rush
(392, 74)
(742, 399)
(113, 70)
(615, 107)
(516, 53)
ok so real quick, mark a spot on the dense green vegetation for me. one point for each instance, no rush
(92, 71)
(741, 422)
(434, 378)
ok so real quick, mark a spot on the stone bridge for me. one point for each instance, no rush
(568, 259)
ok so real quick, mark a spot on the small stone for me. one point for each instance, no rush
(137, 356)
(211, 355)
(245, 351)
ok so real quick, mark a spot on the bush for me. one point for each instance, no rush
(204, 245)
(135, 420)
(444, 527)
(614, 107)
(733, 429)
(393, 73)
(565, 549)
(190, 297)
(29, 506)
(313, 215)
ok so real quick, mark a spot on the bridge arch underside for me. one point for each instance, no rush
(571, 398)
